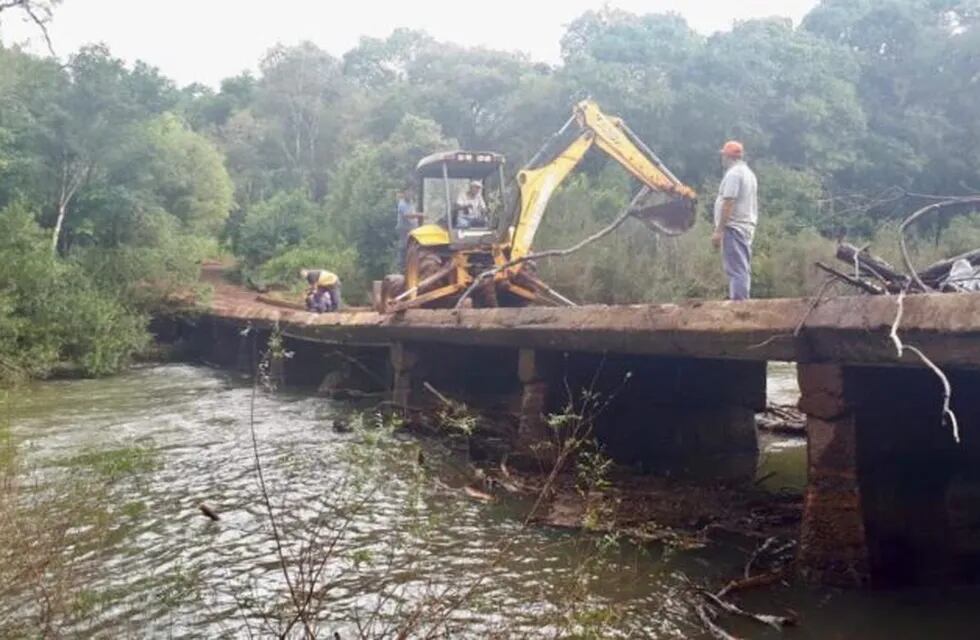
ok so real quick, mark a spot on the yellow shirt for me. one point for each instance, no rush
(327, 279)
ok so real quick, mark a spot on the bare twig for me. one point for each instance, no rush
(899, 311)
(948, 413)
(38, 12)
(760, 580)
(776, 622)
(765, 546)
(901, 347)
(817, 299)
(711, 626)
(867, 287)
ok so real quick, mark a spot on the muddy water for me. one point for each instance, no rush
(164, 570)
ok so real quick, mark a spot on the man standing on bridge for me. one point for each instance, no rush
(736, 214)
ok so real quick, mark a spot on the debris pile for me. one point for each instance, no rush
(875, 275)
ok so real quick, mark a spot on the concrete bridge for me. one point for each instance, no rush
(891, 497)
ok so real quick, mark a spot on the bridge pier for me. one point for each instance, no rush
(892, 499)
(694, 417)
(536, 440)
(661, 414)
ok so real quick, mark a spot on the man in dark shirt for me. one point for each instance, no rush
(408, 219)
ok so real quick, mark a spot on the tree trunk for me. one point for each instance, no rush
(56, 236)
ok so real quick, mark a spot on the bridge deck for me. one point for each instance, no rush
(844, 330)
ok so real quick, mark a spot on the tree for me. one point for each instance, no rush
(918, 84)
(299, 96)
(276, 225)
(361, 204)
(79, 117)
(39, 12)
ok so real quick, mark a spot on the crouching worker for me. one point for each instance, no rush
(324, 293)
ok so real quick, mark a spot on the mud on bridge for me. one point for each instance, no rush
(892, 497)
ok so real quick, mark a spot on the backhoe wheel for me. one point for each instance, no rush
(420, 263)
(392, 286)
(487, 295)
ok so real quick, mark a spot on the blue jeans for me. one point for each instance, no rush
(736, 255)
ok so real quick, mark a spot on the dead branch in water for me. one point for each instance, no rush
(711, 626)
(776, 622)
(716, 601)
(756, 581)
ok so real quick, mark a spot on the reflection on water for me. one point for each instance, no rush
(170, 571)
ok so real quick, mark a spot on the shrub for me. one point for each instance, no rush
(51, 313)
(283, 270)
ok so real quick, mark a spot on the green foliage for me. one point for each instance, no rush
(276, 225)
(361, 205)
(51, 313)
(283, 270)
(297, 166)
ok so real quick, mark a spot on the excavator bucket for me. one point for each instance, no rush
(665, 214)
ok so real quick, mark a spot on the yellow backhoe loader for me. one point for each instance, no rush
(447, 256)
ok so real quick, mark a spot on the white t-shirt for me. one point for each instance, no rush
(477, 205)
(741, 185)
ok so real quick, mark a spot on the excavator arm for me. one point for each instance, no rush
(673, 214)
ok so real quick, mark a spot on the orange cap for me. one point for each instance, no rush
(732, 149)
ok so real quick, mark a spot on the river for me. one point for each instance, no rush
(179, 435)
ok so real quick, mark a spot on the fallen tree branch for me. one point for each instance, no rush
(939, 270)
(761, 580)
(776, 622)
(711, 626)
(917, 215)
(755, 555)
(867, 287)
(870, 264)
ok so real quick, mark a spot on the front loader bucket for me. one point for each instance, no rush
(670, 217)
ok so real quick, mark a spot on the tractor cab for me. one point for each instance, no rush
(444, 178)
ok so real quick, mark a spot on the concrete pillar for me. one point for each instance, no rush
(404, 359)
(833, 540)
(892, 500)
(536, 443)
(683, 416)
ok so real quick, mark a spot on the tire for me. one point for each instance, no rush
(392, 286)
(421, 263)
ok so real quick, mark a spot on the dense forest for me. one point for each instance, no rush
(115, 183)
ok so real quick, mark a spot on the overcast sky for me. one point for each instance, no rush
(207, 40)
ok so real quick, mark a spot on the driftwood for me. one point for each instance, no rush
(867, 287)
(937, 272)
(754, 582)
(876, 276)
(209, 512)
(711, 626)
(716, 602)
(776, 622)
(871, 265)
